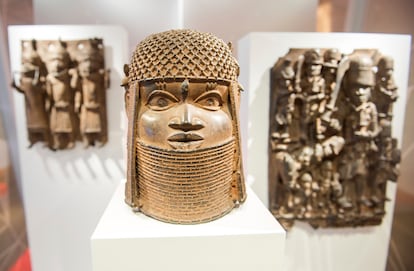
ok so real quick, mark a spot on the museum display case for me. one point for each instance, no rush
(294, 151)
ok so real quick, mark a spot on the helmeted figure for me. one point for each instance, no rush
(360, 128)
(182, 100)
(312, 90)
(385, 93)
(31, 84)
(91, 82)
(284, 104)
(61, 95)
(331, 59)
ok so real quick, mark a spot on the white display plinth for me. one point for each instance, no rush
(363, 248)
(65, 192)
(248, 238)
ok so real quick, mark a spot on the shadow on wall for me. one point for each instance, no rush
(407, 171)
(92, 164)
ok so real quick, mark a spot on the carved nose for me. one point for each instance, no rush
(186, 122)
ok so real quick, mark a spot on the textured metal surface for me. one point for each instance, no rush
(193, 185)
(331, 150)
(183, 54)
(185, 186)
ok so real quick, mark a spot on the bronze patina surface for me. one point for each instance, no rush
(182, 102)
(331, 150)
(64, 84)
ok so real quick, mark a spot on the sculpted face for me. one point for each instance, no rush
(387, 73)
(314, 69)
(88, 66)
(184, 115)
(360, 94)
(57, 64)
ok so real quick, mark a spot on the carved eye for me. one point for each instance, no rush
(210, 100)
(161, 100)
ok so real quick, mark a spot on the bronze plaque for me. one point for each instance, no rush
(64, 84)
(331, 150)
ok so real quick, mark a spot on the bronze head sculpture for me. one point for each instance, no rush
(182, 100)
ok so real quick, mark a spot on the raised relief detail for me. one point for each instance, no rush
(91, 84)
(32, 86)
(64, 83)
(182, 102)
(331, 150)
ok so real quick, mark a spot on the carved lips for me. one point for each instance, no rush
(185, 140)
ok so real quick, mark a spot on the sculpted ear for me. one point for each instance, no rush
(125, 85)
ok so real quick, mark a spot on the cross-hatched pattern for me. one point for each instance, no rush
(183, 54)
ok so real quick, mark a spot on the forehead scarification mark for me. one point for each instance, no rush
(184, 89)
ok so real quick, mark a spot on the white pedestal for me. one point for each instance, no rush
(65, 192)
(363, 248)
(248, 238)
